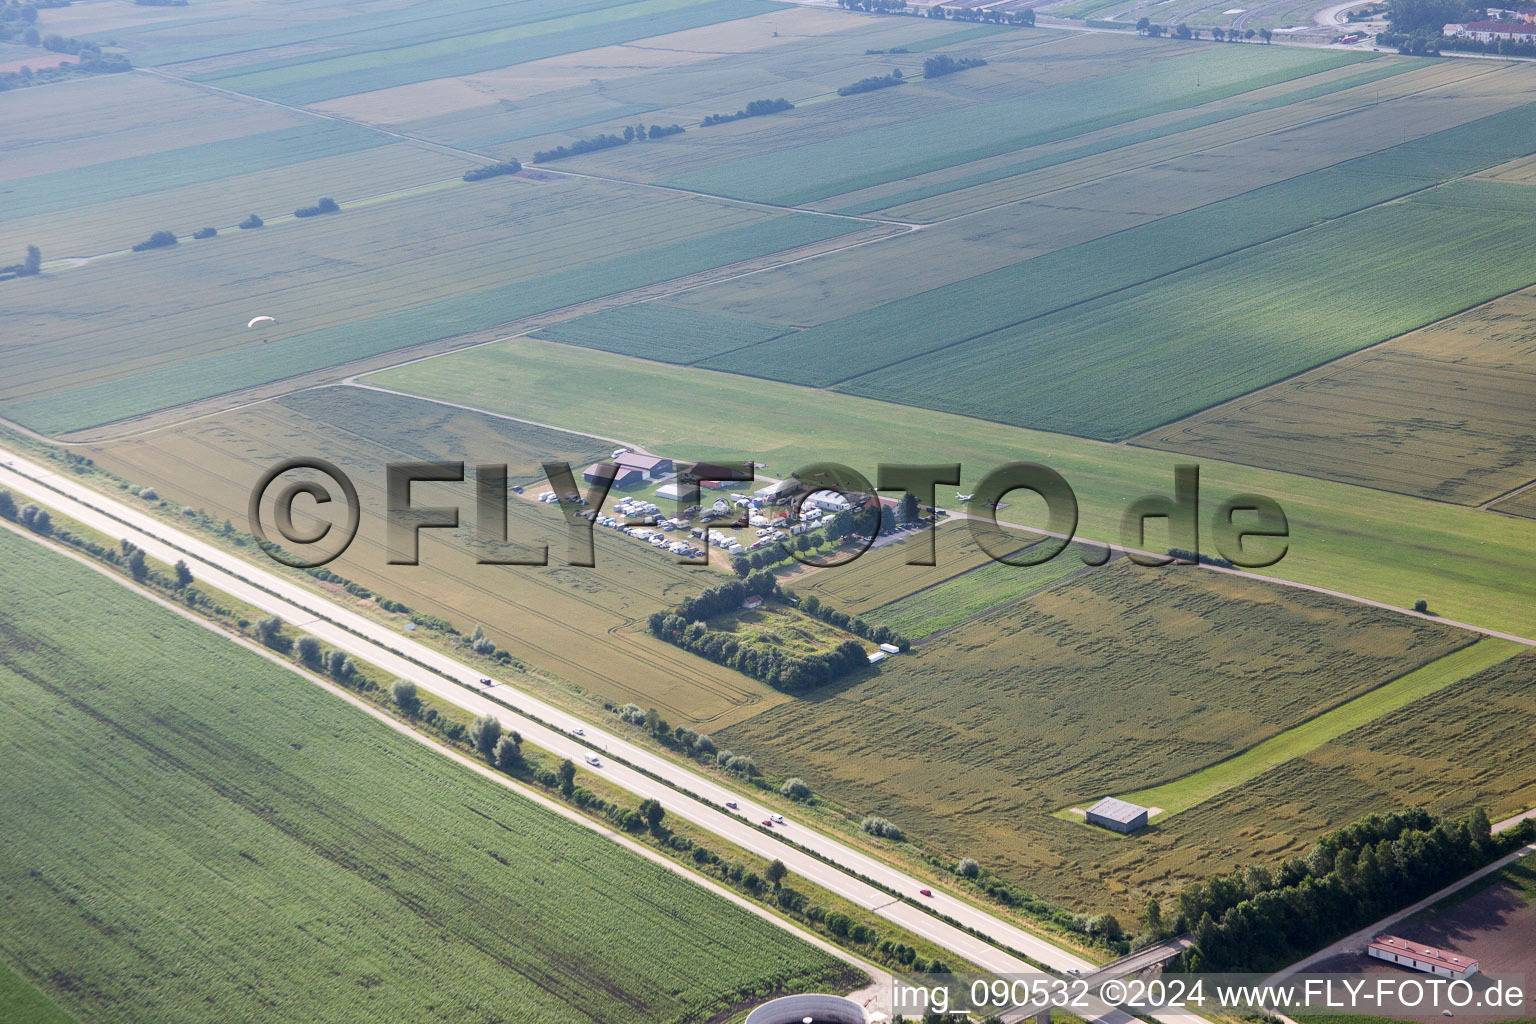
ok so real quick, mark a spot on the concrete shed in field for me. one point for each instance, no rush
(1117, 815)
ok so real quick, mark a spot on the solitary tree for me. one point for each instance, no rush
(404, 695)
(183, 574)
(775, 872)
(653, 813)
(1265, 34)
(508, 755)
(567, 775)
(33, 264)
(484, 733)
(1142, 24)
(137, 565)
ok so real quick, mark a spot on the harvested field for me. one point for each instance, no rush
(1443, 412)
(1122, 673)
(749, 37)
(1522, 504)
(481, 41)
(1182, 794)
(970, 594)
(240, 844)
(582, 628)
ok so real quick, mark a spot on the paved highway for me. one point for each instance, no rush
(553, 730)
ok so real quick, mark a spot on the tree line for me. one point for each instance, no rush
(1257, 919)
(325, 205)
(757, 108)
(943, 64)
(493, 170)
(633, 133)
(872, 83)
(1146, 27)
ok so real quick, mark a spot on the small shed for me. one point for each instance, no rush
(1117, 815)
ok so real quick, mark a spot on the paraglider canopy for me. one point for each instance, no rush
(262, 320)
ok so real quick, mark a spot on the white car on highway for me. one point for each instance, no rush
(592, 760)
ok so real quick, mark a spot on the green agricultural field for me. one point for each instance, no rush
(1470, 565)
(971, 593)
(1442, 412)
(188, 164)
(1182, 794)
(1121, 675)
(881, 575)
(974, 312)
(581, 630)
(862, 159)
(93, 228)
(512, 34)
(1222, 328)
(20, 1001)
(371, 279)
(210, 837)
(654, 330)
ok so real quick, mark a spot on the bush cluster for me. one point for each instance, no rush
(757, 108)
(493, 170)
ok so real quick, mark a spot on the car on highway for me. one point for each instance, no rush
(487, 682)
(926, 892)
(731, 804)
(778, 819)
(593, 761)
(767, 823)
(579, 731)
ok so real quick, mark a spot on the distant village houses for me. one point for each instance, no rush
(1494, 31)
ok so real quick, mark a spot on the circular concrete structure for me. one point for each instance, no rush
(817, 1009)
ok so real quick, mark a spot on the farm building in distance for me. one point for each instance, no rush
(624, 477)
(1117, 815)
(1492, 31)
(653, 466)
(1428, 959)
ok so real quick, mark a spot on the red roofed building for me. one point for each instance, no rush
(1419, 957)
(1492, 31)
